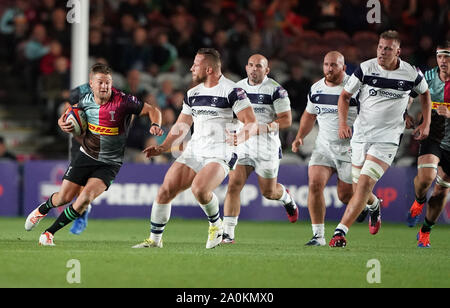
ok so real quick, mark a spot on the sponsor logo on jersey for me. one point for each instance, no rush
(384, 93)
(103, 130)
(323, 110)
(204, 112)
(434, 105)
(259, 109)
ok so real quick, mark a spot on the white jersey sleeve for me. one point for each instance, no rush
(281, 102)
(310, 108)
(238, 100)
(354, 82)
(422, 86)
(186, 108)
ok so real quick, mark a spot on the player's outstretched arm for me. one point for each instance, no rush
(343, 105)
(307, 122)
(246, 116)
(154, 114)
(176, 135)
(421, 132)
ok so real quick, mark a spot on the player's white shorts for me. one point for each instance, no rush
(267, 169)
(383, 151)
(343, 167)
(196, 163)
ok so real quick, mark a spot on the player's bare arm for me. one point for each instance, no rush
(283, 120)
(343, 104)
(178, 131)
(421, 132)
(409, 120)
(65, 126)
(154, 114)
(307, 122)
(246, 116)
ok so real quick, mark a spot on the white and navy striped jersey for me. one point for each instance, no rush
(383, 99)
(212, 112)
(322, 101)
(268, 99)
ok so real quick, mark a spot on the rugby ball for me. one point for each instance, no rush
(78, 118)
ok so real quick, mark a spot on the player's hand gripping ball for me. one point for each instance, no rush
(78, 119)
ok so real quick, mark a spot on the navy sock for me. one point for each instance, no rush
(66, 217)
(421, 200)
(47, 206)
(427, 225)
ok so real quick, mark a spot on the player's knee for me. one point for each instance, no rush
(201, 194)
(165, 195)
(315, 187)
(235, 187)
(426, 179)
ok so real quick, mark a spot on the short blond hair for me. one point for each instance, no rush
(391, 35)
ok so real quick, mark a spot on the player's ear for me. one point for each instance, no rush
(267, 70)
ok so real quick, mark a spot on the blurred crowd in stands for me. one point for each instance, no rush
(150, 45)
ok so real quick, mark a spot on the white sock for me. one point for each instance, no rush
(318, 230)
(374, 205)
(211, 210)
(158, 220)
(341, 228)
(285, 198)
(229, 223)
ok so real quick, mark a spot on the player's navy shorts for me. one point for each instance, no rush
(445, 161)
(429, 146)
(82, 168)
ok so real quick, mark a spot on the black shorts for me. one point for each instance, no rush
(429, 146)
(445, 161)
(82, 168)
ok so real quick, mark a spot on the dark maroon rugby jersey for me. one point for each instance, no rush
(108, 125)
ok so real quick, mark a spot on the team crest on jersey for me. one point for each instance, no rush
(214, 101)
(401, 84)
(260, 99)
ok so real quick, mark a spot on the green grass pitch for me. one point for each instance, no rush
(265, 255)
